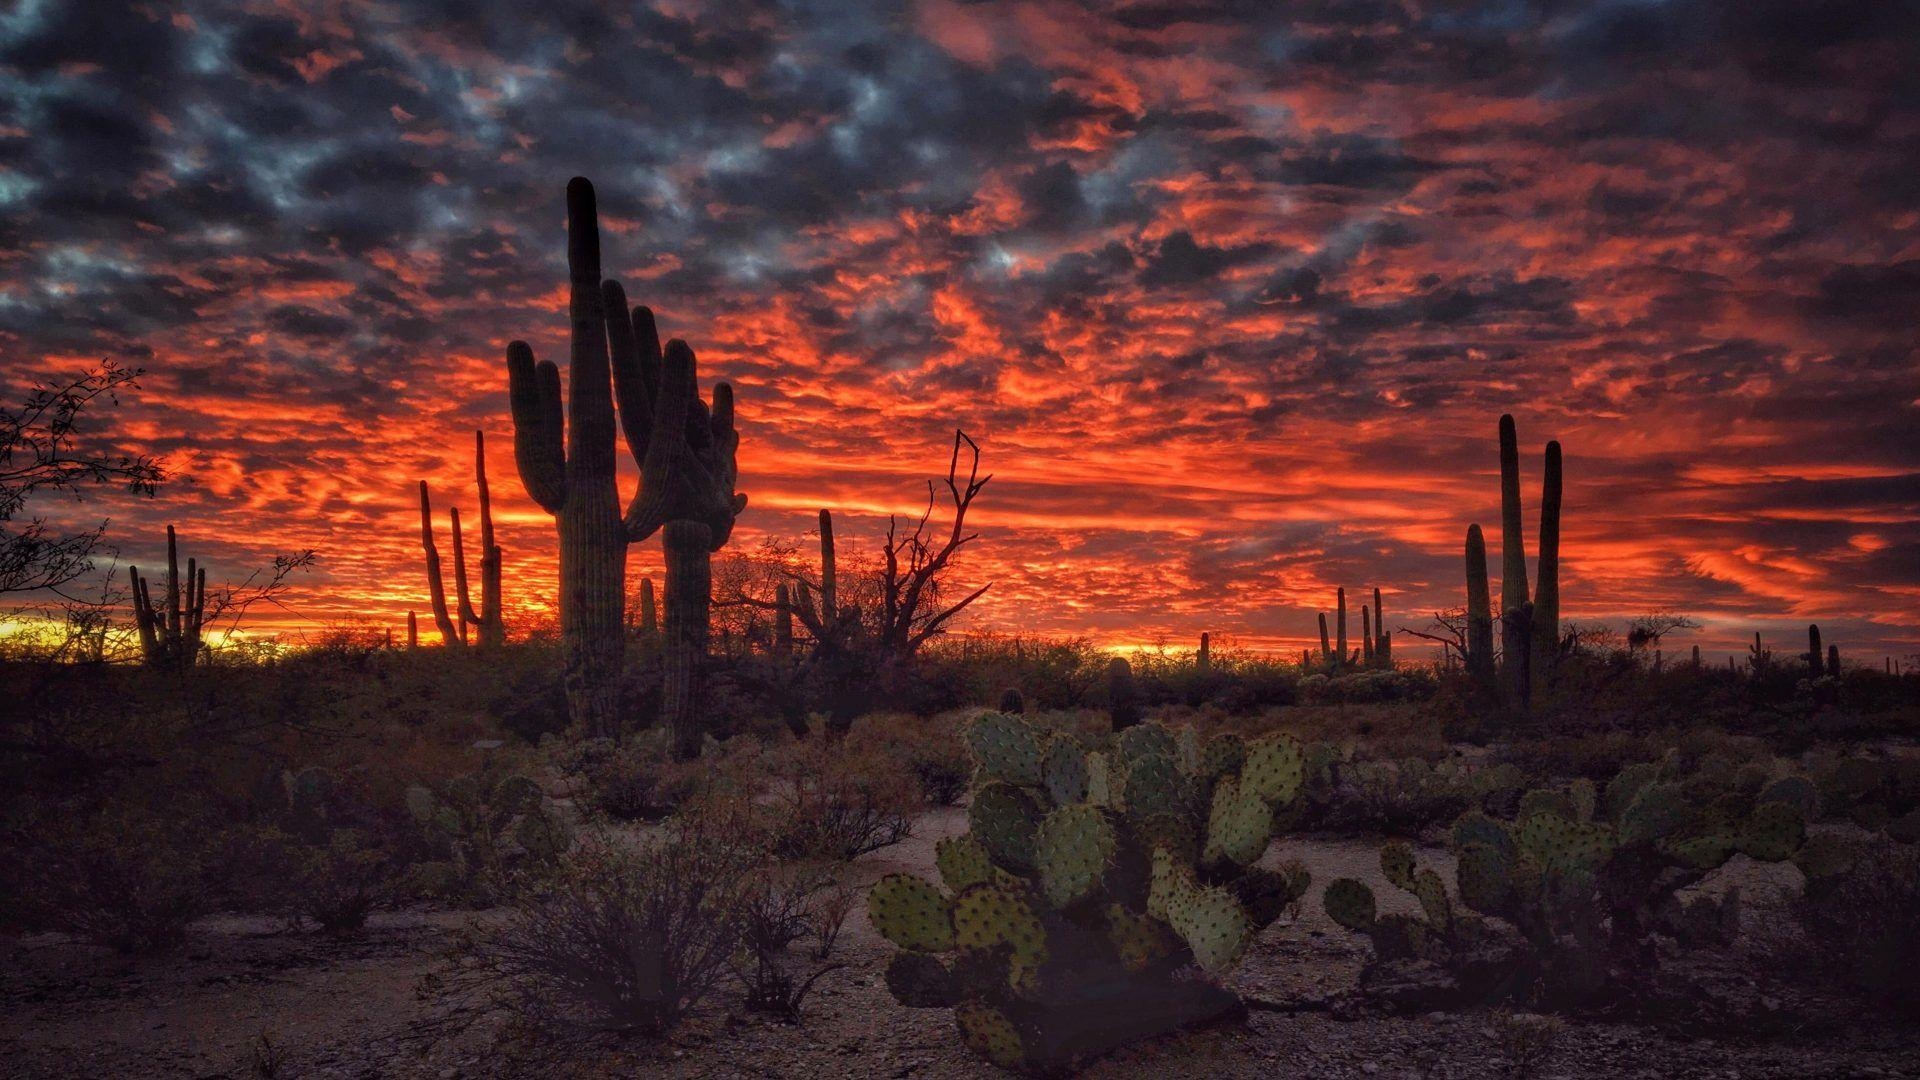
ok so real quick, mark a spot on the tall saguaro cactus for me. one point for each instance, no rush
(1529, 628)
(454, 620)
(170, 635)
(1383, 639)
(1479, 611)
(565, 453)
(436, 586)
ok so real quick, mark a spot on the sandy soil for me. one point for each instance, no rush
(350, 1008)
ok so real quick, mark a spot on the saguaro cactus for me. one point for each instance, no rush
(1326, 648)
(1515, 636)
(829, 574)
(1815, 655)
(170, 635)
(565, 453)
(1123, 697)
(649, 611)
(1340, 627)
(1383, 640)
(436, 587)
(1203, 660)
(1546, 592)
(1833, 660)
(1530, 627)
(1366, 636)
(489, 619)
(1479, 610)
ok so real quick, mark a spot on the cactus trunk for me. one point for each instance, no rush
(493, 629)
(1479, 610)
(1383, 640)
(829, 576)
(1546, 593)
(689, 596)
(1340, 627)
(1203, 660)
(1516, 640)
(1814, 653)
(413, 630)
(1366, 635)
(1326, 647)
(782, 621)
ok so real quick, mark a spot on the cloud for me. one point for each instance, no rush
(1232, 293)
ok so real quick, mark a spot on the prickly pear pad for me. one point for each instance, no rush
(1072, 850)
(912, 913)
(1005, 748)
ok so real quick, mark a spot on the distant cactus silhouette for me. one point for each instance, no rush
(1203, 659)
(1479, 611)
(566, 458)
(453, 622)
(170, 635)
(1383, 638)
(1123, 696)
(1529, 626)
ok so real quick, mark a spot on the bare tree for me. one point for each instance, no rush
(40, 452)
(912, 608)
(1449, 629)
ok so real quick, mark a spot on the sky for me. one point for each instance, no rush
(1231, 294)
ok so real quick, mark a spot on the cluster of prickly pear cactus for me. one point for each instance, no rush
(1587, 877)
(1088, 878)
(487, 828)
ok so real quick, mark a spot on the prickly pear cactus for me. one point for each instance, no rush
(488, 828)
(1586, 876)
(1086, 881)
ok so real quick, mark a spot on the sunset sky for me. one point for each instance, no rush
(1231, 294)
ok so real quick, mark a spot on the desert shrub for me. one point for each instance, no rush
(1864, 919)
(1399, 684)
(624, 937)
(127, 877)
(636, 779)
(484, 830)
(837, 801)
(778, 908)
(1395, 797)
(335, 882)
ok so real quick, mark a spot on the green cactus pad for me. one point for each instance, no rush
(1570, 850)
(1273, 769)
(1626, 786)
(1542, 801)
(1474, 827)
(1064, 771)
(1350, 903)
(1072, 850)
(919, 981)
(1657, 813)
(1773, 832)
(1396, 862)
(988, 1033)
(1171, 884)
(1239, 826)
(1154, 785)
(1432, 893)
(986, 916)
(1485, 878)
(1146, 740)
(1215, 927)
(912, 913)
(1005, 748)
(1225, 753)
(1702, 852)
(962, 861)
(1003, 819)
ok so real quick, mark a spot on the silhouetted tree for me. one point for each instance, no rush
(40, 451)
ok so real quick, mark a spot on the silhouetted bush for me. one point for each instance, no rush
(623, 937)
(1865, 924)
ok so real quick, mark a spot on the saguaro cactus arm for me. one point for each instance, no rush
(538, 426)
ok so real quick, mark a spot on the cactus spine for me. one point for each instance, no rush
(170, 635)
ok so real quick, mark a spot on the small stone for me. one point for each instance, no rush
(1370, 1068)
